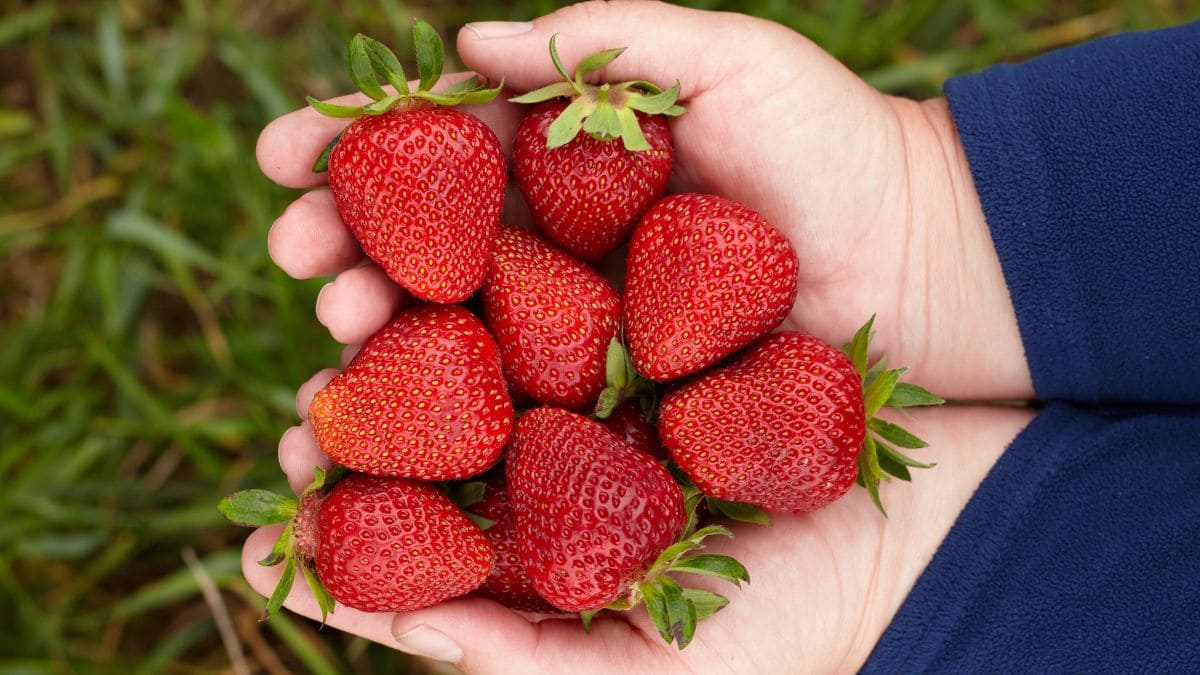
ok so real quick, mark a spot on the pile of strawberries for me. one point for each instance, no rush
(554, 443)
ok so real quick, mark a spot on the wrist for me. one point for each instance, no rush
(970, 323)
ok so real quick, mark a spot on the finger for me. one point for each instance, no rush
(484, 637)
(288, 146)
(519, 52)
(376, 627)
(349, 353)
(299, 454)
(358, 303)
(304, 395)
(309, 239)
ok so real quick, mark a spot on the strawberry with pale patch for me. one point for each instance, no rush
(790, 425)
(590, 159)
(705, 277)
(418, 183)
(424, 398)
(371, 543)
(553, 318)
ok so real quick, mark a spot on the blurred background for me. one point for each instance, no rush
(149, 350)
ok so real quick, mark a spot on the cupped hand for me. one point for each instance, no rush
(876, 197)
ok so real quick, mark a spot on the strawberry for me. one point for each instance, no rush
(507, 583)
(705, 277)
(600, 523)
(371, 543)
(586, 191)
(789, 425)
(628, 423)
(553, 318)
(419, 185)
(424, 398)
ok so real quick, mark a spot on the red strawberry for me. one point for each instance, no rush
(378, 544)
(424, 398)
(705, 277)
(553, 318)
(588, 194)
(628, 422)
(598, 522)
(507, 584)
(586, 191)
(419, 186)
(785, 426)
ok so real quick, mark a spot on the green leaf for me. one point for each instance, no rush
(857, 349)
(281, 590)
(899, 457)
(362, 70)
(467, 493)
(383, 105)
(631, 131)
(616, 370)
(564, 129)
(463, 86)
(907, 395)
(673, 551)
(554, 58)
(334, 110)
(386, 65)
(586, 618)
(324, 599)
(705, 602)
(481, 95)
(739, 511)
(654, 104)
(603, 123)
(711, 530)
(550, 91)
(280, 549)
(680, 617)
(322, 163)
(896, 434)
(878, 392)
(870, 471)
(595, 62)
(674, 111)
(691, 502)
(656, 607)
(891, 466)
(428, 46)
(607, 402)
(713, 565)
(483, 523)
(256, 508)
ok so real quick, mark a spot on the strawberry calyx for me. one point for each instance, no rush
(466, 494)
(879, 459)
(623, 382)
(296, 546)
(371, 62)
(673, 608)
(605, 111)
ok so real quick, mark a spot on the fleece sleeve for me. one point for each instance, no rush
(1087, 163)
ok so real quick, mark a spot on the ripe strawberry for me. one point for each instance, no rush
(420, 186)
(586, 191)
(371, 543)
(507, 583)
(628, 423)
(599, 523)
(785, 426)
(705, 277)
(553, 318)
(424, 398)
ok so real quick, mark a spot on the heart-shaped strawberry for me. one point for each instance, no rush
(705, 277)
(424, 398)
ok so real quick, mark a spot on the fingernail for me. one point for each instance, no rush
(430, 643)
(486, 30)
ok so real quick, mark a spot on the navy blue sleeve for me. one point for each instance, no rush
(1080, 551)
(1087, 162)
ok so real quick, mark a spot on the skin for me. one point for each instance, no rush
(875, 195)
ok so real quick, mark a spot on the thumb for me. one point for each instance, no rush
(484, 637)
(664, 43)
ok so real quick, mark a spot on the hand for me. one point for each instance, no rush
(876, 197)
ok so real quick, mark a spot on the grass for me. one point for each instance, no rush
(149, 350)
